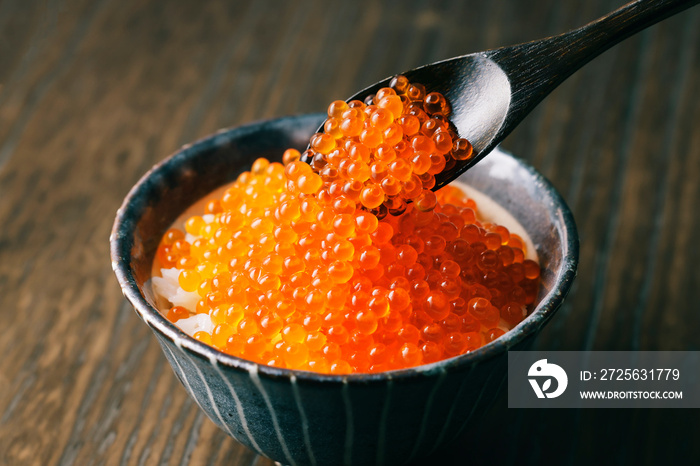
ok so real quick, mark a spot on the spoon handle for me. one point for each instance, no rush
(536, 68)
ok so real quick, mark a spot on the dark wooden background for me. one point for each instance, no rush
(94, 92)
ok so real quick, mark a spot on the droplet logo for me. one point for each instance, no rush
(542, 370)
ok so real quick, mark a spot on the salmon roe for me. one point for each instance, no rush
(350, 263)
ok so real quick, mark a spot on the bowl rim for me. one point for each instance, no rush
(121, 243)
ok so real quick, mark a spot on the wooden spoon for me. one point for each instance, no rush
(491, 92)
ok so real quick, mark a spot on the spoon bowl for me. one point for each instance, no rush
(479, 92)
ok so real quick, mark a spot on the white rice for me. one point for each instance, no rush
(167, 287)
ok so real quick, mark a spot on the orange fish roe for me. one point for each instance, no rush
(351, 263)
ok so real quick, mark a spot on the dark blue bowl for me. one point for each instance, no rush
(298, 417)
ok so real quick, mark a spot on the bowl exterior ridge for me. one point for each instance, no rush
(372, 422)
(299, 417)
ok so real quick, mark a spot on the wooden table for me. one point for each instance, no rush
(94, 92)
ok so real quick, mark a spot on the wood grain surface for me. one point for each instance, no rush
(94, 92)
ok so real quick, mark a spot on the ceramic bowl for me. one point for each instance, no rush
(298, 417)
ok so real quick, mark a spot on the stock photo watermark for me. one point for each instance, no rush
(604, 379)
